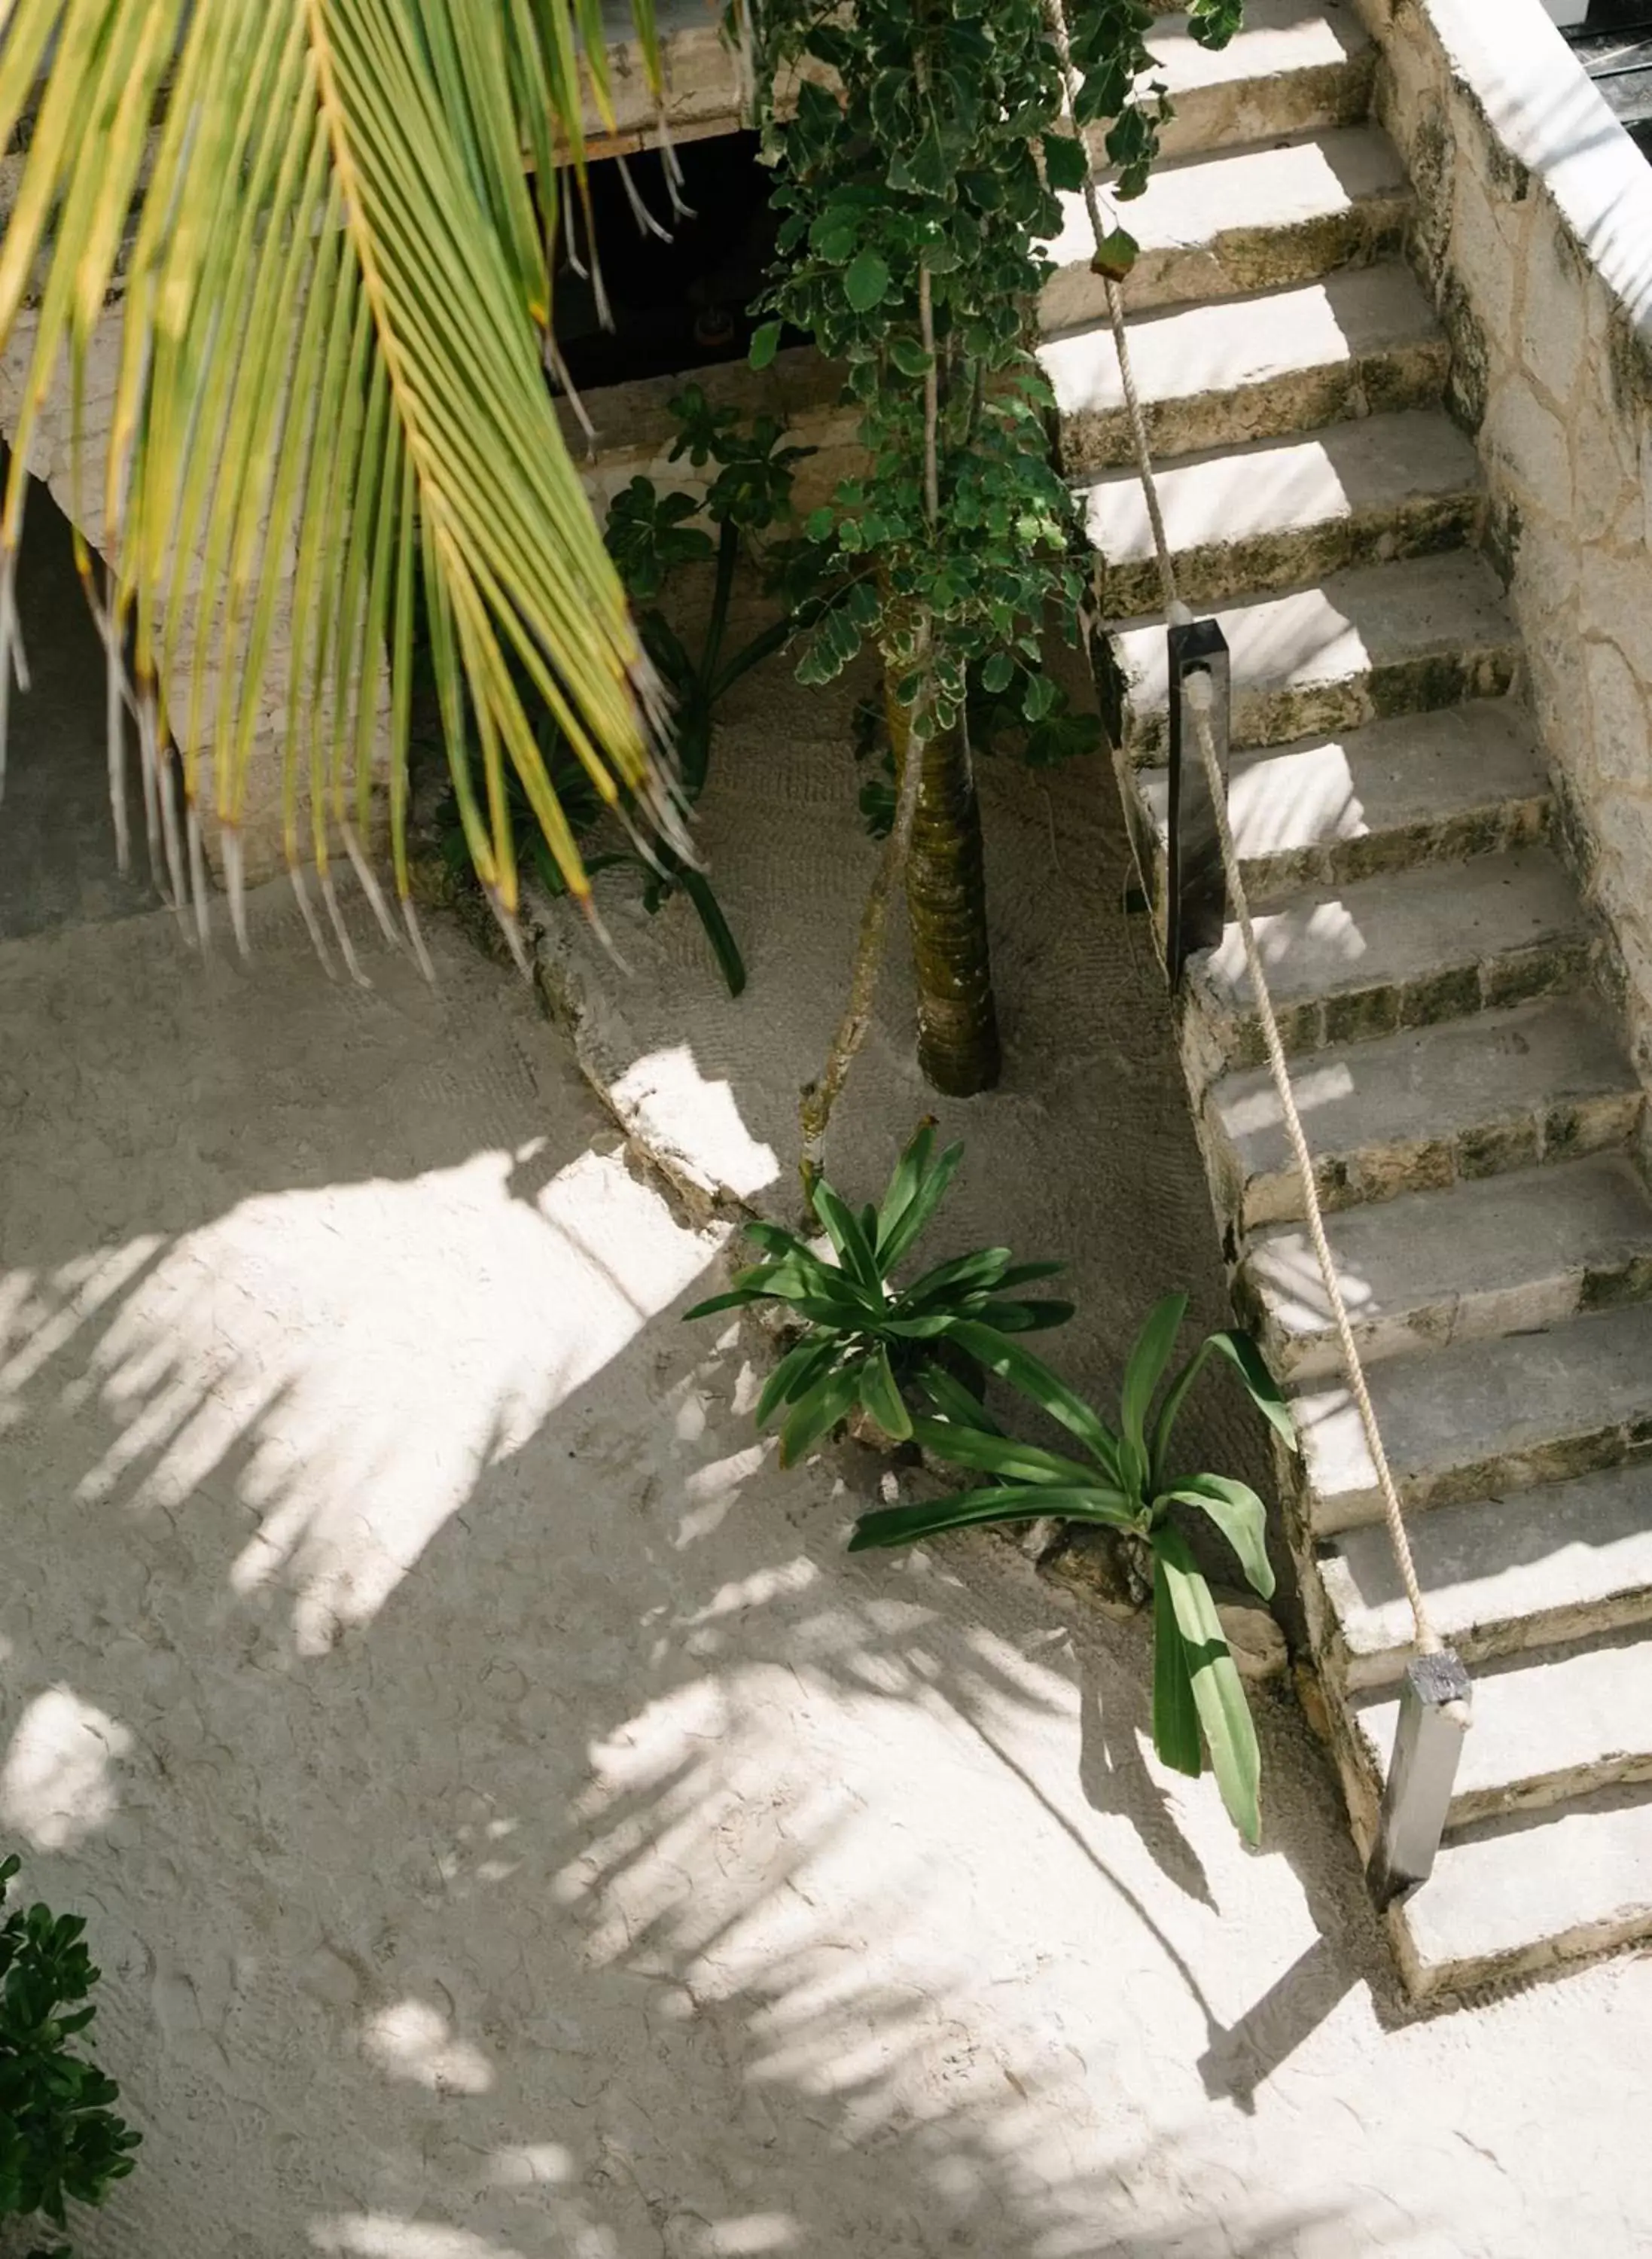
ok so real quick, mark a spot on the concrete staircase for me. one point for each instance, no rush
(1475, 1121)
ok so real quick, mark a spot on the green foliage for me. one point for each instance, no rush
(60, 2144)
(318, 238)
(865, 1340)
(1116, 86)
(997, 721)
(1127, 1481)
(651, 533)
(931, 167)
(941, 170)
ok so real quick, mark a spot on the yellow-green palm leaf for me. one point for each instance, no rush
(319, 226)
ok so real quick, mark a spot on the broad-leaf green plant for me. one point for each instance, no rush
(866, 1341)
(1127, 1480)
(60, 2142)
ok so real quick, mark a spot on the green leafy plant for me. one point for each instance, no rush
(918, 194)
(997, 724)
(1114, 67)
(651, 533)
(912, 198)
(1128, 1481)
(60, 2143)
(867, 1342)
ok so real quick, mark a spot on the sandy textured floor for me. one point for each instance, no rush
(513, 1830)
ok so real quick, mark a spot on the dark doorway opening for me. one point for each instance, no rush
(679, 303)
(1614, 45)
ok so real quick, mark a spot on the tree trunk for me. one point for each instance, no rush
(946, 905)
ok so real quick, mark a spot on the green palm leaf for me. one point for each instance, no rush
(328, 389)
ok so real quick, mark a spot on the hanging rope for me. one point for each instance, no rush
(1199, 690)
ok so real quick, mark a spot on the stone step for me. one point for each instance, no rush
(1555, 1724)
(1360, 343)
(1423, 787)
(1291, 69)
(1483, 1417)
(1512, 1896)
(1504, 1254)
(1279, 513)
(1429, 1107)
(1500, 1575)
(1382, 640)
(1241, 220)
(1397, 950)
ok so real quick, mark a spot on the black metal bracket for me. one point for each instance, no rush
(1196, 886)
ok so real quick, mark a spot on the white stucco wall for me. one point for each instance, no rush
(1535, 232)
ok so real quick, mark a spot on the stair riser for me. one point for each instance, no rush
(1262, 563)
(1496, 829)
(1301, 400)
(1493, 831)
(1359, 1670)
(1429, 1980)
(1566, 1131)
(1586, 1452)
(1535, 1303)
(1215, 1040)
(1232, 115)
(1541, 1793)
(1361, 1761)
(1273, 714)
(1231, 264)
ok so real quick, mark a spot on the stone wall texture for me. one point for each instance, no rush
(1534, 233)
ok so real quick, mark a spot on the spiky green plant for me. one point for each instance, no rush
(1127, 1482)
(866, 1340)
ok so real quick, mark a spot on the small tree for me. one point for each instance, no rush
(915, 200)
(910, 210)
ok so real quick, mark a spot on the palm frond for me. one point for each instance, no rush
(294, 253)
